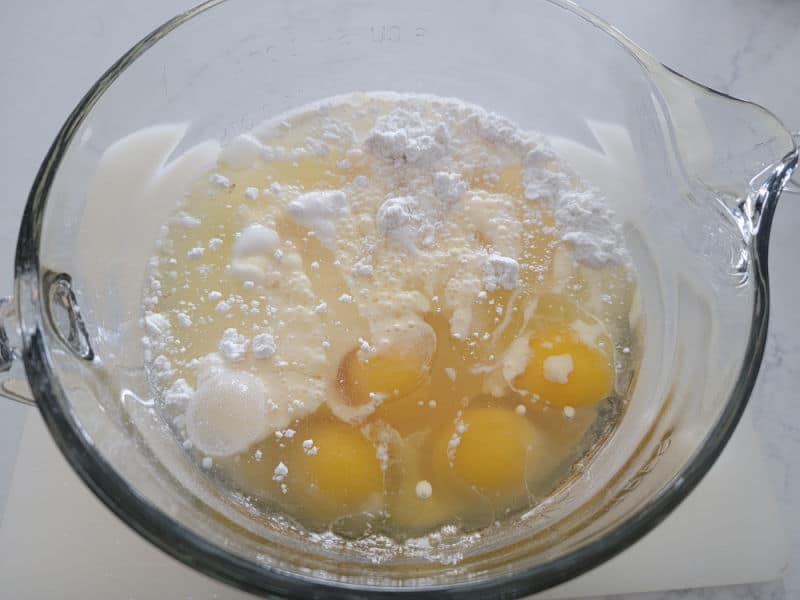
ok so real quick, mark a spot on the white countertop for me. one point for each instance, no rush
(53, 51)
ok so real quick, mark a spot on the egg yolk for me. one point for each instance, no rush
(487, 449)
(565, 371)
(408, 414)
(408, 509)
(381, 376)
(415, 514)
(340, 476)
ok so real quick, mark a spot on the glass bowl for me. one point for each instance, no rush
(694, 176)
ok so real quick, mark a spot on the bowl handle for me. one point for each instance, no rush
(793, 185)
(13, 382)
(725, 148)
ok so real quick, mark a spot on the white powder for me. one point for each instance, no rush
(423, 489)
(448, 187)
(382, 454)
(516, 360)
(264, 345)
(338, 133)
(588, 225)
(402, 220)
(455, 439)
(186, 220)
(179, 393)
(354, 153)
(362, 269)
(364, 345)
(250, 261)
(220, 180)
(195, 253)
(346, 298)
(377, 397)
(318, 211)
(500, 271)
(280, 472)
(404, 136)
(558, 367)
(162, 367)
(542, 181)
(309, 448)
(156, 325)
(452, 445)
(214, 244)
(233, 345)
(569, 412)
(499, 130)
(251, 193)
(582, 215)
(183, 319)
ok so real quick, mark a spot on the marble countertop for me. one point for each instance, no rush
(747, 48)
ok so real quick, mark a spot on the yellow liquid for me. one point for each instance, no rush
(397, 420)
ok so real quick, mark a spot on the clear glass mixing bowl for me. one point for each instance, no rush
(693, 174)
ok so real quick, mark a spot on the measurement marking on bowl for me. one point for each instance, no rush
(385, 33)
(391, 33)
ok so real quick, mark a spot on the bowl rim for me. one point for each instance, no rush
(193, 550)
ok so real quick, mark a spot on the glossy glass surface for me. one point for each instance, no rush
(693, 174)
